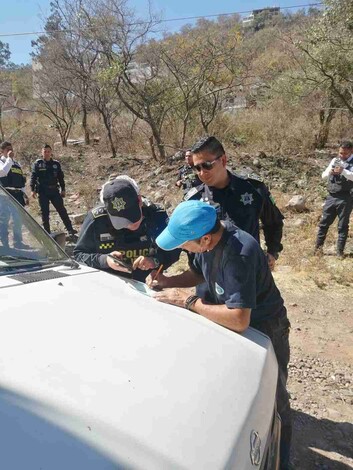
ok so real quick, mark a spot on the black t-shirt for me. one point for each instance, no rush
(242, 278)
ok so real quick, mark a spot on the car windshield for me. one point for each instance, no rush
(24, 244)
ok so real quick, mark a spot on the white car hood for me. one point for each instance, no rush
(95, 375)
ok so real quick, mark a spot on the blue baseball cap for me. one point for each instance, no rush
(189, 221)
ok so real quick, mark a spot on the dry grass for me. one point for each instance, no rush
(298, 254)
(275, 129)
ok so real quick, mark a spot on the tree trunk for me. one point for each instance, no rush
(183, 135)
(158, 140)
(1, 128)
(150, 139)
(112, 146)
(204, 124)
(109, 132)
(326, 117)
(85, 125)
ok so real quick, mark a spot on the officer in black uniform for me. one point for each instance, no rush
(187, 178)
(13, 180)
(339, 202)
(124, 226)
(47, 176)
(245, 201)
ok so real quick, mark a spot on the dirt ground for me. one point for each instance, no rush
(321, 371)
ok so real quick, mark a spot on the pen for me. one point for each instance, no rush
(158, 272)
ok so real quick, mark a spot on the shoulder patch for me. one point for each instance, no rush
(98, 211)
(249, 176)
(255, 177)
(193, 191)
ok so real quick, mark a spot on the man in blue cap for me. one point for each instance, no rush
(238, 276)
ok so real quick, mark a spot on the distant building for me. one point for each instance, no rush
(248, 20)
(273, 10)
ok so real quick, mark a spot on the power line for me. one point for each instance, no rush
(169, 20)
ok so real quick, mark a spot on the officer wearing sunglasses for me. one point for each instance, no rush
(245, 201)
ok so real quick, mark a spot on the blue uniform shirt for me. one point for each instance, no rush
(242, 278)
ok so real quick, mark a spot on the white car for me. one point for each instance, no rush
(96, 375)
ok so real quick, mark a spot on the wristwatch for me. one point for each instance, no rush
(190, 302)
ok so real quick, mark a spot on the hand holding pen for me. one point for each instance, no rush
(156, 279)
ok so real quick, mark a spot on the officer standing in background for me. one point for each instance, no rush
(123, 227)
(339, 202)
(47, 176)
(187, 178)
(13, 180)
(245, 201)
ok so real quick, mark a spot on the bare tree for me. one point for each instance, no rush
(67, 47)
(55, 100)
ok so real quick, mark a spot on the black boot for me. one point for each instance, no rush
(340, 248)
(318, 250)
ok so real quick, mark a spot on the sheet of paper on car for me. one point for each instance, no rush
(140, 287)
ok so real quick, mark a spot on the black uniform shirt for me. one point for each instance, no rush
(246, 201)
(98, 238)
(47, 176)
(243, 278)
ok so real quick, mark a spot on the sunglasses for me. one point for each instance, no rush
(206, 165)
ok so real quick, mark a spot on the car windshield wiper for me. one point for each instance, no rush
(17, 258)
(43, 263)
(65, 262)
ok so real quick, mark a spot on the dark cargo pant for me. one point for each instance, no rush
(335, 206)
(277, 330)
(45, 197)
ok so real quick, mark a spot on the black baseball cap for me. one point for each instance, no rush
(121, 199)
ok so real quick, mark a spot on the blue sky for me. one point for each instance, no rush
(18, 16)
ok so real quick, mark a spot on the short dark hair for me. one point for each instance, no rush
(5, 144)
(208, 144)
(216, 227)
(46, 146)
(346, 144)
(214, 230)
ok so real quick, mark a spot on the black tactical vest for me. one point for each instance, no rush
(189, 178)
(131, 244)
(338, 184)
(14, 178)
